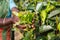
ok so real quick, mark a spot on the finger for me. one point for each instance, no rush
(20, 26)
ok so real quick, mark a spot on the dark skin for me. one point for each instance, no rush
(9, 20)
(12, 20)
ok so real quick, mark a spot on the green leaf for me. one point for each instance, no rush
(54, 12)
(28, 35)
(45, 28)
(43, 16)
(58, 27)
(39, 6)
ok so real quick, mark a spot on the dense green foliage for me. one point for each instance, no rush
(46, 19)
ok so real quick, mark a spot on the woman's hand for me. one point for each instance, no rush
(16, 19)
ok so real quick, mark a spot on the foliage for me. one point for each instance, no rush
(46, 15)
